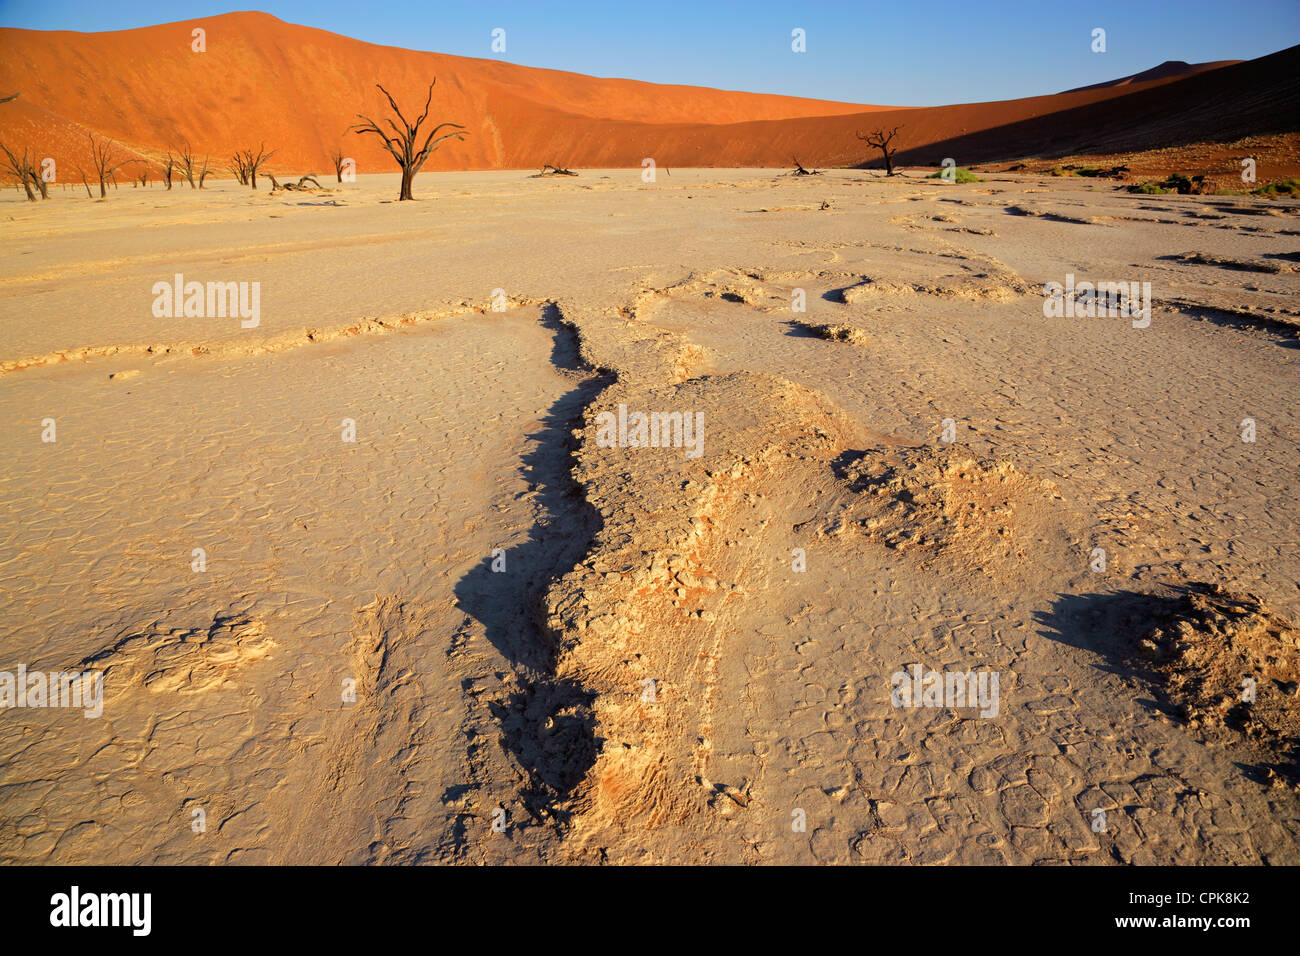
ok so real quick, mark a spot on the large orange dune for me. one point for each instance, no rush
(298, 89)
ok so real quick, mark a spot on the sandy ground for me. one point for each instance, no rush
(684, 658)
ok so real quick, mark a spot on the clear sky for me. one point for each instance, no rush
(870, 51)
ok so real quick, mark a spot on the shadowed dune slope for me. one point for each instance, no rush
(1168, 70)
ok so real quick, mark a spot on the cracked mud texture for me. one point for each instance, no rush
(559, 651)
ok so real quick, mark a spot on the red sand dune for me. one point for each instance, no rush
(298, 89)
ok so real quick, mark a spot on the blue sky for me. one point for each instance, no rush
(891, 52)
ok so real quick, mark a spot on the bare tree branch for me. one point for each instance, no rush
(21, 168)
(881, 139)
(402, 145)
(185, 162)
(105, 160)
(247, 163)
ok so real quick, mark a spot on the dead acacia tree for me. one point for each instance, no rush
(189, 167)
(246, 163)
(336, 157)
(402, 146)
(167, 168)
(21, 168)
(881, 139)
(106, 161)
(300, 184)
(254, 162)
(185, 163)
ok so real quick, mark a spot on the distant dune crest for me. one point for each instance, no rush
(1168, 70)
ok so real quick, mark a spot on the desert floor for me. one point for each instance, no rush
(651, 677)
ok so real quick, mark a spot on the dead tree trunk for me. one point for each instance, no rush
(255, 161)
(290, 187)
(185, 161)
(106, 162)
(20, 167)
(245, 164)
(402, 146)
(881, 139)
